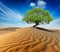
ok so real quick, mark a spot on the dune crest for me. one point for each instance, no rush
(29, 40)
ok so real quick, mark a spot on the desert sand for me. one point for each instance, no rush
(7, 30)
(30, 40)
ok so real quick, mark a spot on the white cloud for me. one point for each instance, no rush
(53, 25)
(41, 4)
(7, 13)
(32, 4)
(12, 18)
(6, 25)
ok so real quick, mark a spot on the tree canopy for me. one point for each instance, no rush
(38, 16)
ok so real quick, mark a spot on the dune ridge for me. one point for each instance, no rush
(30, 40)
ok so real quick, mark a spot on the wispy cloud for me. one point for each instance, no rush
(53, 25)
(5, 25)
(55, 10)
(9, 15)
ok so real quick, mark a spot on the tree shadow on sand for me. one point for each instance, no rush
(43, 29)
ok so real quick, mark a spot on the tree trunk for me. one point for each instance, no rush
(36, 24)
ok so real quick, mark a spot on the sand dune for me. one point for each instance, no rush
(7, 30)
(55, 30)
(58, 31)
(30, 40)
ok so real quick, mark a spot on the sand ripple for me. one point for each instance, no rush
(29, 40)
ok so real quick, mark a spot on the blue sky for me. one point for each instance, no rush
(12, 11)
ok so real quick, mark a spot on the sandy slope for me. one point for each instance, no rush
(30, 40)
(7, 30)
(58, 31)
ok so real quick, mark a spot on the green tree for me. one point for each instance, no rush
(37, 16)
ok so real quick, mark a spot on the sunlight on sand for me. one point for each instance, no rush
(29, 40)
